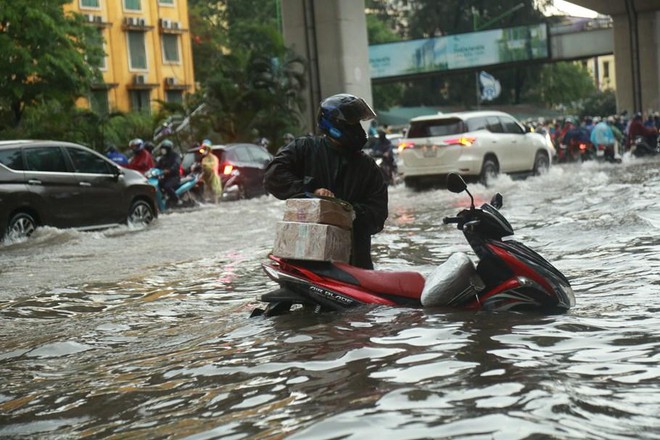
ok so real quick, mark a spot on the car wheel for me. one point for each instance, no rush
(541, 164)
(489, 170)
(21, 225)
(412, 183)
(140, 214)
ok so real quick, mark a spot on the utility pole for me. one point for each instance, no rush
(477, 27)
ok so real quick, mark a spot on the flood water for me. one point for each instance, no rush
(141, 334)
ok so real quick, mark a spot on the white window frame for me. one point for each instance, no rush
(104, 63)
(129, 9)
(96, 8)
(130, 55)
(178, 48)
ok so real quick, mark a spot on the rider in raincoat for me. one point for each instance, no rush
(210, 165)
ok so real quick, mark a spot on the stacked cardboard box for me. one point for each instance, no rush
(314, 229)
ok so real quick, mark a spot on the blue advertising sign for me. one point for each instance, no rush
(461, 51)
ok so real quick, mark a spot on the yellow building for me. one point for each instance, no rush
(602, 70)
(148, 52)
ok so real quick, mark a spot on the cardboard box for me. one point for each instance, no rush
(319, 211)
(312, 241)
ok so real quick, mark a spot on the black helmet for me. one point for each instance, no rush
(339, 117)
(167, 144)
(136, 144)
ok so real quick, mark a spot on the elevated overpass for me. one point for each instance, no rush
(332, 36)
(473, 51)
(585, 39)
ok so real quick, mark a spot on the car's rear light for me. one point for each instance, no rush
(406, 145)
(227, 169)
(583, 147)
(463, 141)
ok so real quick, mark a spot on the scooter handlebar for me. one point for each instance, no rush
(448, 220)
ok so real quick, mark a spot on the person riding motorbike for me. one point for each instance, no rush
(649, 135)
(115, 155)
(142, 159)
(602, 136)
(383, 148)
(286, 140)
(210, 167)
(333, 165)
(570, 139)
(169, 163)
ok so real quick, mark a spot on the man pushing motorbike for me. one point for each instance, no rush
(333, 165)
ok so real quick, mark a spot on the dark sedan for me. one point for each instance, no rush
(66, 185)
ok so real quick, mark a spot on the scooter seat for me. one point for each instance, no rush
(407, 284)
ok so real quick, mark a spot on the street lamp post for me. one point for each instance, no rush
(476, 27)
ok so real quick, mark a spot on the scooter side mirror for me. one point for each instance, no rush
(455, 183)
(497, 201)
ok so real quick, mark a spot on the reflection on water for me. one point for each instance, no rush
(119, 334)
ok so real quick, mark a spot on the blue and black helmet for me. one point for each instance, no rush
(338, 112)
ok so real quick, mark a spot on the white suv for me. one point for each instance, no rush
(476, 143)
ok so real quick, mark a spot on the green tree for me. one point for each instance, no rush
(47, 55)
(599, 104)
(565, 85)
(252, 84)
(388, 94)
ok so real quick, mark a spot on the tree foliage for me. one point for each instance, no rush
(599, 104)
(384, 95)
(47, 56)
(251, 83)
(565, 85)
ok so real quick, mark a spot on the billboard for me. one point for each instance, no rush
(460, 51)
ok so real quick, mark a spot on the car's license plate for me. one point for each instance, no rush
(429, 152)
(600, 153)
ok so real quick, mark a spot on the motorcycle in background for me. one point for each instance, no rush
(184, 190)
(387, 165)
(575, 151)
(642, 146)
(607, 153)
(508, 276)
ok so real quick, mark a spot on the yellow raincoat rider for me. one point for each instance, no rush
(210, 165)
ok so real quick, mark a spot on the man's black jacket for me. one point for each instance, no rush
(309, 163)
(170, 163)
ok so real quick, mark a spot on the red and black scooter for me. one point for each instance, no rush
(508, 276)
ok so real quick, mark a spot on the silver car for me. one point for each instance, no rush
(478, 144)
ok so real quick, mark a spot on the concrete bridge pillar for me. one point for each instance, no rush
(636, 50)
(637, 61)
(332, 36)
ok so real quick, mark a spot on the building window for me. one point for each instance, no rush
(90, 4)
(174, 96)
(140, 101)
(166, 2)
(98, 101)
(606, 69)
(170, 48)
(132, 5)
(100, 41)
(137, 51)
